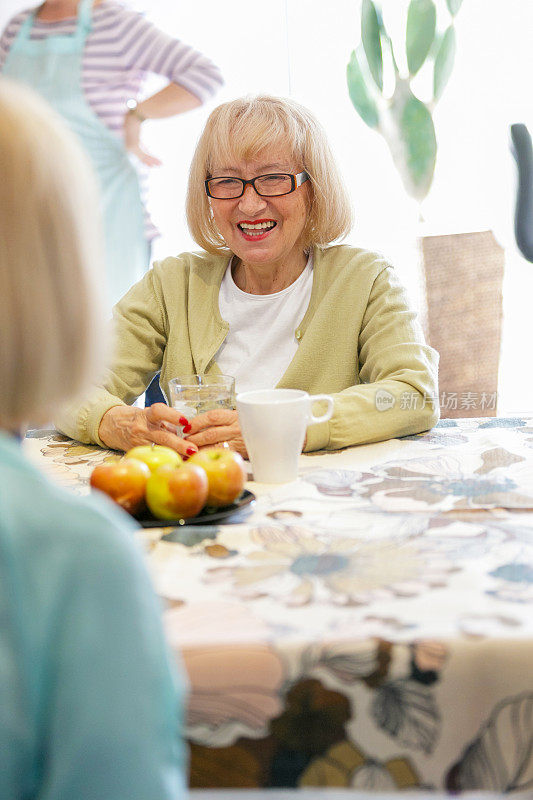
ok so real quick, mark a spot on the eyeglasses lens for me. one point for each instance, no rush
(266, 185)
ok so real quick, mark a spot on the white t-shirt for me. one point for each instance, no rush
(261, 341)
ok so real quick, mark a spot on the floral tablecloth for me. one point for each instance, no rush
(369, 625)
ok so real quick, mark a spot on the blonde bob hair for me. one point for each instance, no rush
(50, 243)
(241, 129)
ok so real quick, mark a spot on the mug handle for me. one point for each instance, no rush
(324, 418)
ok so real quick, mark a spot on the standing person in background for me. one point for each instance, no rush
(88, 59)
(90, 706)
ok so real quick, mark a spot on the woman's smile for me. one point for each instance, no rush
(256, 230)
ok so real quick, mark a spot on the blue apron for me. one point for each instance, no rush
(53, 67)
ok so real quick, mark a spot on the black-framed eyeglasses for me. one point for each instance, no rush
(274, 185)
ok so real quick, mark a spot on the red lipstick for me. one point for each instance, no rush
(258, 235)
(253, 221)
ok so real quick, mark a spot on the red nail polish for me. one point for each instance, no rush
(183, 421)
(187, 428)
(190, 451)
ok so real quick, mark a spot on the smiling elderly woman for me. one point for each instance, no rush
(268, 299)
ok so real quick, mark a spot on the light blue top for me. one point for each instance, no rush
(89, 704)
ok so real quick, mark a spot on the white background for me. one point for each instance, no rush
(300, 48)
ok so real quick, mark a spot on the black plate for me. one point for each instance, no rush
(205, 517)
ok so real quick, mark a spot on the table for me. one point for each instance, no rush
(369, 625)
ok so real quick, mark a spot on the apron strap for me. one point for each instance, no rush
(27, 25)
(85, 17)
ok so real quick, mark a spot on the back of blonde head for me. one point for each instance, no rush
(241, 129)
(50, 243)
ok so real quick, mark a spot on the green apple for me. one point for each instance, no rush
(177, 492)
(226, 474)
(155, 455)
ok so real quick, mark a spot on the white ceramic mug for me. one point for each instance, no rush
(273, 424)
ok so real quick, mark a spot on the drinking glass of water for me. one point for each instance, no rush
(196, 394)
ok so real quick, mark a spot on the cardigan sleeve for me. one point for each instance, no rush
(398, 390)
(139, 336)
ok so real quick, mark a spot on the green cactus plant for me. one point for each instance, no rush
(404, 120)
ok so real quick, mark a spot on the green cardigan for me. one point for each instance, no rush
(358, 341)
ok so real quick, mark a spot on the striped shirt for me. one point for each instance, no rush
(121, 49)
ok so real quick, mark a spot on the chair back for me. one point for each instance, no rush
(523, 221)
(464, 276)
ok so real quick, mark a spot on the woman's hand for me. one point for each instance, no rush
(217, 428)
(123, 427)
(132, 141)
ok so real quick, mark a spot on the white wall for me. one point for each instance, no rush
(300, 47)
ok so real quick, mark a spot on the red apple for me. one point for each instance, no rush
(226, 474)
(177, 492)
(155, 455)
(123, 480)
